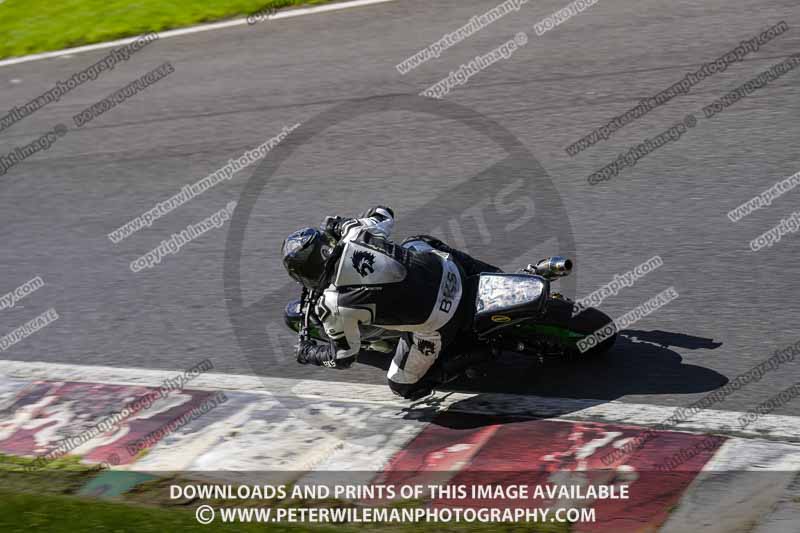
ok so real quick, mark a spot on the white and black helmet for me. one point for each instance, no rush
(306, 253)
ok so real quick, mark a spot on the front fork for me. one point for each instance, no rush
(307, 300)
(305, 305)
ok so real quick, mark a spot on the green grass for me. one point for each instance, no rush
(45, 500)
(20, 512)
(27, 512)
(61, 476)
(30, 26)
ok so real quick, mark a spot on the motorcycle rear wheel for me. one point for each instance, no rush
(559, 332)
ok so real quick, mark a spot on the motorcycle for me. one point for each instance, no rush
(512, 313)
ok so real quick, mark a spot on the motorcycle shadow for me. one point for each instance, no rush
(641, 362)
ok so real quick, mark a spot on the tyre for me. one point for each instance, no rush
(589, 321)
(560, 329)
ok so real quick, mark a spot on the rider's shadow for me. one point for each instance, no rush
(641, 362)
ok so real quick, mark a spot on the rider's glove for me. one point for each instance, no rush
(376, 211)
(309, 352)
(334, 226)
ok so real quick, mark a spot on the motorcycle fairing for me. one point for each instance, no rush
(503, 299)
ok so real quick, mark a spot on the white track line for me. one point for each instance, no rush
(194, 29)
(777, 427)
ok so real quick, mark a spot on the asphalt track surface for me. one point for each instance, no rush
(232, 89)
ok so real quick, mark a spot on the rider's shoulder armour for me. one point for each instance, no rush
(369, 264)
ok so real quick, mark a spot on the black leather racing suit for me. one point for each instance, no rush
(417, 287)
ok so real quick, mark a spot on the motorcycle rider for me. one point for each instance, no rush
(360, 277)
